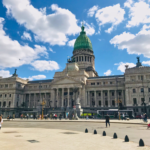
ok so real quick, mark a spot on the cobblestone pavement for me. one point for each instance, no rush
(134, 131)
(58, 139)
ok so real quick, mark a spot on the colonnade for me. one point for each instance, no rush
(93, 96)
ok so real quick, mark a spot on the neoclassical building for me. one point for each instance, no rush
(78, 80)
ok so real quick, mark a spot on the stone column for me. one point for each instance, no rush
(95, 99)
(34, 100)
(57, 90)
(68, 97)
(87, 98)
(29, 99)
(109, 98)
(123, 97)
(102, 99)
(62, 102)
(116, 100)
(89, 102)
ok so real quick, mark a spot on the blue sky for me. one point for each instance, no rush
(37, 36)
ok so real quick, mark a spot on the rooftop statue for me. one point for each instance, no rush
(15, 74)
(138, 64)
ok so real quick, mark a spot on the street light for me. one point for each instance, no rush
(43, 104)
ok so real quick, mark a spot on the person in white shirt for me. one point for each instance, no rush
(1, 121)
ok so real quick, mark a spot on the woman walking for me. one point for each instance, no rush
(1, 121)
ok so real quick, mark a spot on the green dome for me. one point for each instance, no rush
(83, 41)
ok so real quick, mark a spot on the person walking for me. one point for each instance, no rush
(1, 121)
(145, 117)
(107, 120)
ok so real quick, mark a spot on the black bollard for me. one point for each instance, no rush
(86, 130)
(95, 132)
(126, 139)
(104, 133)
(115, 136)
(141, 142)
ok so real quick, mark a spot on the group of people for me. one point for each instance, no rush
(144, 117)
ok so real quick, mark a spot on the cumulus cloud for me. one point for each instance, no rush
(71, 42)
(89, 28)
(12, 54)
(135, 44)
(5, 73)
(37, 77)
(146, 62)
(139, 13)
(42, 65)
(52, 28)
(92, 11)
(107, 73)
(110, 15)
(121, 66)
(26, 36)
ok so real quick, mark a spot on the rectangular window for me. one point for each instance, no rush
(137, 110)
(77, 59)
(119, 93)
(17, 95)
(90, 59)
(134, 101)
(134, 91)
(112, 93)
(92, 94)
(6, 85)
(99, 103)
(99, 94)
(148, 89)
(5, 95)
(85, 58)
(92, 83)
(82, 58)
(104, 83)
(140, 78)
(9, 95)
(9, 103)
(142, 90)
(113, 103)
(110, 82)
(149, 99)
(1, 86)
(97, 83)
(142, 100)
(105, 94)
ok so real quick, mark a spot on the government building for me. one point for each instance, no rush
(80, 80)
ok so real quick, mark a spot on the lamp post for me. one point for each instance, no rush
(43, 104)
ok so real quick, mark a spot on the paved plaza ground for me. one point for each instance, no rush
(69, 135)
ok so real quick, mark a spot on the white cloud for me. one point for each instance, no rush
(50, 49)
(111, 14)
(26, 36)
(89, 28)
(4, 73)
(43, 10)
(128, 3)
(146, 62)
(139, 13)
(135, 44)
(53, 28)
(107, 73)
(12, 54)
(42, 65)
(71, 42)
(36, 77)
(92, 11)
(121, 66)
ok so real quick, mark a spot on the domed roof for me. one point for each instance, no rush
(83, 41)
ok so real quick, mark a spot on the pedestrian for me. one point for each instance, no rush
(87, 117)
(145, 117)
(107, 120)
(27, 116)
(123, 116)
(1, 121)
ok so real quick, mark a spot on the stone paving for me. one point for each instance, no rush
(57, 139)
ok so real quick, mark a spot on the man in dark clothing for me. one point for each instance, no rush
(107, 120)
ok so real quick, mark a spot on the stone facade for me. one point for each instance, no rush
(79, 80)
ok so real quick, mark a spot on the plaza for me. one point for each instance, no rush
(50, 134)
